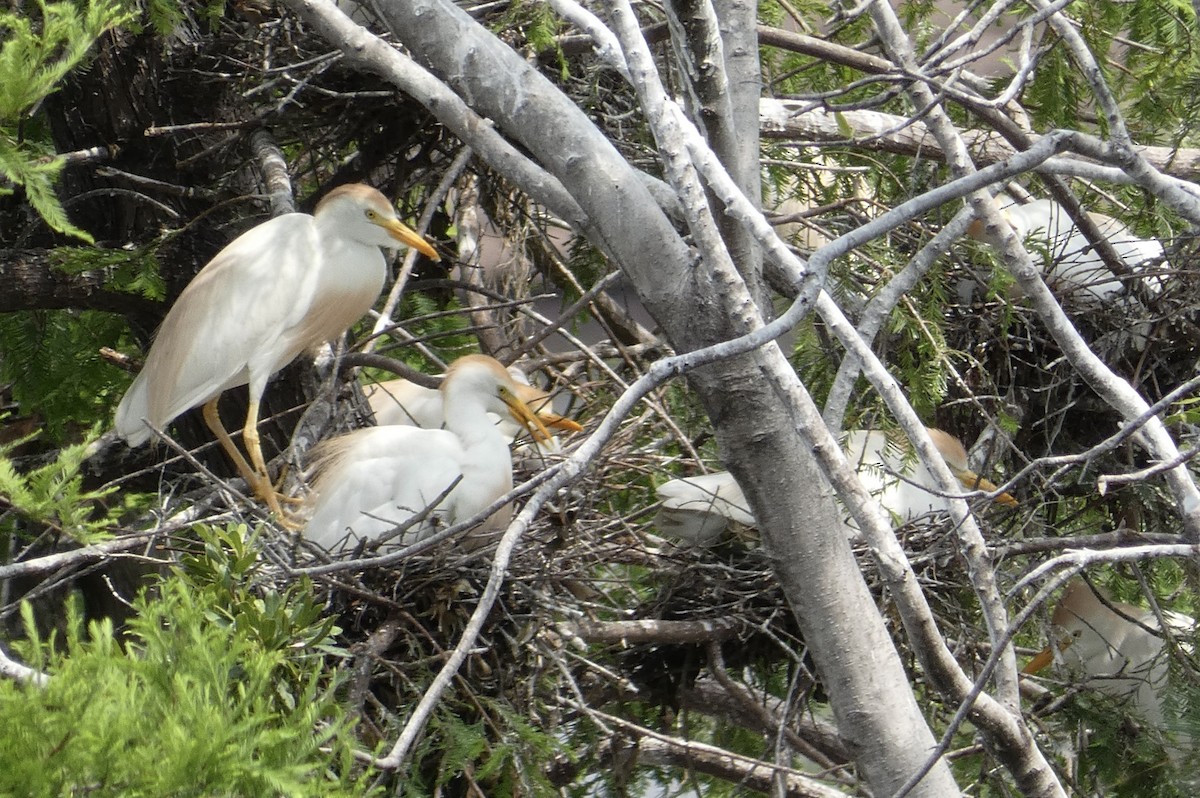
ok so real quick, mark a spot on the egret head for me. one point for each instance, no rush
(955, 455)
(364, 214)
(1083, 624)
(483, 376)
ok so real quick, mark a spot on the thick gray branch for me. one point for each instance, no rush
(372, 54)
(794, 120)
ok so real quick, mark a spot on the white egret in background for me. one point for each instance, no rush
(1116, 648)
(1073, 266)
(698, 509)
(287, 285)
(372, 480)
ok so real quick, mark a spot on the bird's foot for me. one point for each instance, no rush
(275, 500)
(278, 489)
(289, 522)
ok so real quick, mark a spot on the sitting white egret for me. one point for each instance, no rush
(1117, 649)
(289, 284)
(697, 509)
(404, 403)
(372, 480)
(1073, 266)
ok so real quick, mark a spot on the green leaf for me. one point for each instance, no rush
(23, 165)
(39, 51)
(184, 706)
(53, 495)
(42, 54)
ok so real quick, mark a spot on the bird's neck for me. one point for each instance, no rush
(467, 417)
(340, 249)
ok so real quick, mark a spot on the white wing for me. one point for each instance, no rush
(228, 313)
(380, 477)
(404, 403)
(698, 509)
(1075, 266)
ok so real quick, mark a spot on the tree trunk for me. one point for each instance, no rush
(868, 688)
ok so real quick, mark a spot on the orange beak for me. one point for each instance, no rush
(539, 401)
(524, 416)
(972, 481)
(409, 238)
(1040, 661)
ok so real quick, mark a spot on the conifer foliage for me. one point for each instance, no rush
(162, 635)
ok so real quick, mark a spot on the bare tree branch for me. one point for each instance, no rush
(275, 173)
(649, 631)
(800, 121)
(665, 749)
(11, 669)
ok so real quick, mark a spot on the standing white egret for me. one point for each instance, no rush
(289, 284)
(373, 479)
(1117, 648)
(697, 509)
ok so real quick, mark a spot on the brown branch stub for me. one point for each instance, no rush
(120, 360)
(89, 155)
(397, 367)
(366, 654)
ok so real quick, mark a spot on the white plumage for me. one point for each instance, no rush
(287, 285)
(374, 479)
(698, 509)
(1118, 651)
(403, 402)
(406, 404)
(1074, 267)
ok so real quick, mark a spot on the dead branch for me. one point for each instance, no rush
(650, 631)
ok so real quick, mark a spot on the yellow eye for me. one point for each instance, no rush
(371, 215)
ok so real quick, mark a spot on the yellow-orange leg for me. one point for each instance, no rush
(254, 449)
(263, 487)
(213, 420)
(255, 475)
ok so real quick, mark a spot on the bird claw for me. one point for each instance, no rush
(285, 519)
(275, 501)
(290, 523)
